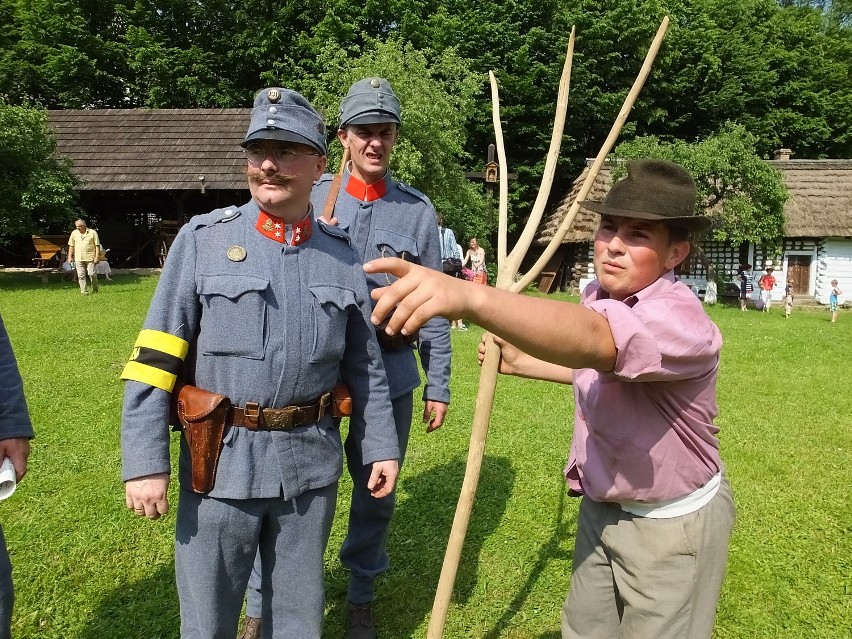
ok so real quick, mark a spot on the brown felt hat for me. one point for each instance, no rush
(653, 190)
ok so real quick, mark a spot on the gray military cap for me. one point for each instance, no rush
(282, 114)
(370, 101)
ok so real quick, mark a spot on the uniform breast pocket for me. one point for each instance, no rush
(233, 318)
(330, 312)
(393, 244)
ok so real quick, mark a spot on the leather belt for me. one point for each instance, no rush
(255, 417)
(395, 342)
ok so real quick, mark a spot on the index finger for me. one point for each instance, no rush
(391, 265)
(387, 297)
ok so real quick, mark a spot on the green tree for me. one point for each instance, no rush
(742, 193)
(63, 54)
(36, 187)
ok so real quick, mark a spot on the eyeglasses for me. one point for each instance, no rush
(257, 153)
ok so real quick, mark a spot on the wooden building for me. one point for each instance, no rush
(817, 244)
(145, 172)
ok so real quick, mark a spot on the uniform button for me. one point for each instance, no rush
(273, 109)
(270, 122)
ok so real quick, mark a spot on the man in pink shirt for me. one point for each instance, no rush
(657, 511)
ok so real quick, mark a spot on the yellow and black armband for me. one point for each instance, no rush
(157, 359)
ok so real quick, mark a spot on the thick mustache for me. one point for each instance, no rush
(279, 179)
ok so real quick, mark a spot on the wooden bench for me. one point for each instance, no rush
(48, 249)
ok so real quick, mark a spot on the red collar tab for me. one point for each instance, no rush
(366, 192)
(276, 230)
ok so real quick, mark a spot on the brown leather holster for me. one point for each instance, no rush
(341, 405)
(202, 416)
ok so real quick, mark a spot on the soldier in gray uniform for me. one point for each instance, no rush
(16, 430)
(384, 218)
(262, 304)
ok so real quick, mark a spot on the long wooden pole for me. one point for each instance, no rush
(330, 200)
(507, 269)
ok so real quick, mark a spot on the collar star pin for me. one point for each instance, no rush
(236, 253)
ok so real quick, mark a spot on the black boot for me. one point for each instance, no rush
(360, 623)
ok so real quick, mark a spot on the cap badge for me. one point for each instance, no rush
(375, 83)
(236, 253)
(273, 95)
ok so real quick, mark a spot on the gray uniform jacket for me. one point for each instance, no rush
(402, 221)
(279, 327)
(14, 416)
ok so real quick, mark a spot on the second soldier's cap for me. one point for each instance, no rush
(282, 114)
(370, 101)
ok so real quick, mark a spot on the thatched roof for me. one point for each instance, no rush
(585, 222)
(153, 149)
(820, 203)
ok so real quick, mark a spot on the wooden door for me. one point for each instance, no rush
(799, 270)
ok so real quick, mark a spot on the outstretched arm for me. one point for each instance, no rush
(556, 332)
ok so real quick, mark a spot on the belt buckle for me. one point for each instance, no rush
(278, 419)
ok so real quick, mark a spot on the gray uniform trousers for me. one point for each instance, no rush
(289, 537)
(7, 593)
(14, 422)
(364, 549)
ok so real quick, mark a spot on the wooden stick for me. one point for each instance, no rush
(519, 252)
(629, 101)
(507, 269)
(328, 210)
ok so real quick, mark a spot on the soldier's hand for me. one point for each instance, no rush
(148, 496)
(18, 450)
(434, 414)
(383, 478)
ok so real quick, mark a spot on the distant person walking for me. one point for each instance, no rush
(766, 283)
(451, 257)
(788, 297)
(745, 277)
(84, 248)
(833, 299)
(476, 255)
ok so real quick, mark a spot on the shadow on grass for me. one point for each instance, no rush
(142, 610)
(563, 528)
(418, 539)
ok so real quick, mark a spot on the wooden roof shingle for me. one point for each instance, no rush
(153, 149)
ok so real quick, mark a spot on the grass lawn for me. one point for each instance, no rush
(86, 568)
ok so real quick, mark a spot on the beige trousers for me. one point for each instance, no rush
(84, 269)
(641, 578)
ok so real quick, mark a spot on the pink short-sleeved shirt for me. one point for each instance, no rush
(644, 432)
